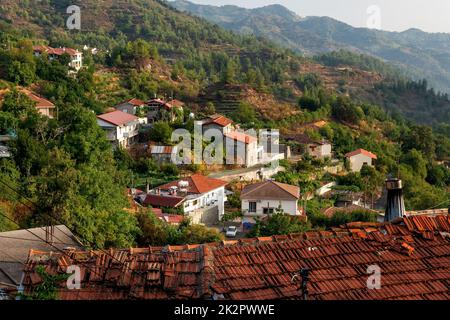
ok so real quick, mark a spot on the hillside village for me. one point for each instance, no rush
(127, 148)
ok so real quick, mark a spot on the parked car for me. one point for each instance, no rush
(231, 231)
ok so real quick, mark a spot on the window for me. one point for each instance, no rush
(252, 207)
(268, 210)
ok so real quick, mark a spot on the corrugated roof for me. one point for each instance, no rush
(163, 149)
(413, 255)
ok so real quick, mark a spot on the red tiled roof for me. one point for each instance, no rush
(413, 255)
(117, 117)
(198, 184)
(361, 151)
(240, 136)
(176, 103)
(218, 119)
(270, 190)
(56, 51)
(135, 102)
(41, 103)
(155, 200)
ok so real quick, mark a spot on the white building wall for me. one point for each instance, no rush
(215, 197)
(288, 206)
(357, 162)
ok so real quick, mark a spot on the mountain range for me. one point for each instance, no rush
(418, 54)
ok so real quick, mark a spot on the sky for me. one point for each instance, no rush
(390, 15)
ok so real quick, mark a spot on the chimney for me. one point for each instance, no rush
(395, 206)
(148, 188)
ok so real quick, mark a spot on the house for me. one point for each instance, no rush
(76, 57)
(122, 129)
(132, 106)
(219, 122)
(198, 197)
(412, 253)
(16, 246)
(272, 149)
(242, 149)
(43, 106)
(358, 158)
(264, 198)
(172, 219)
(163, 154)
(4, 148)
(308, 146)
(159, 109)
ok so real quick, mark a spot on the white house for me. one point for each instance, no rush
(76, 57)
(358, 158)
(219, 122)
(242, 149)
(122, 129)
(199, 197)
(262, 199)
(131, 106)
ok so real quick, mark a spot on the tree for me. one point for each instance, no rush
(18, 104)
(161, 132)
(279, 224)
(344, 110)
(416, 161)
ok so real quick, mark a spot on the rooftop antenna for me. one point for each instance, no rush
(304, 274)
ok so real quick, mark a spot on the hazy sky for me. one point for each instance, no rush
(395, 15)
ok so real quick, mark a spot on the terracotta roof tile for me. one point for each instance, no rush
(413, 267)
(361, 151)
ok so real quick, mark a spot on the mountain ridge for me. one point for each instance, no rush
(418, 53)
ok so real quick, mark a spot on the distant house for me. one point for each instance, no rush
(16, 246)
(4, 148)
(358, 158)
(76, 57)
(43, 106)
(122, 129)
(131, 106)
(316, 149)
(272, 149)
(173, 219)
(198, 197)
(159, 109)
(163, 154)
(242, 149)
(219, 122)
(264, 198)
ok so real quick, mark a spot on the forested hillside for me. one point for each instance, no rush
(418, 54)
(66, 167)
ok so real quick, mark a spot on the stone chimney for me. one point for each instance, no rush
(395, 206)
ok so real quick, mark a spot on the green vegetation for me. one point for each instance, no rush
(66, 168)
(158, 233)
